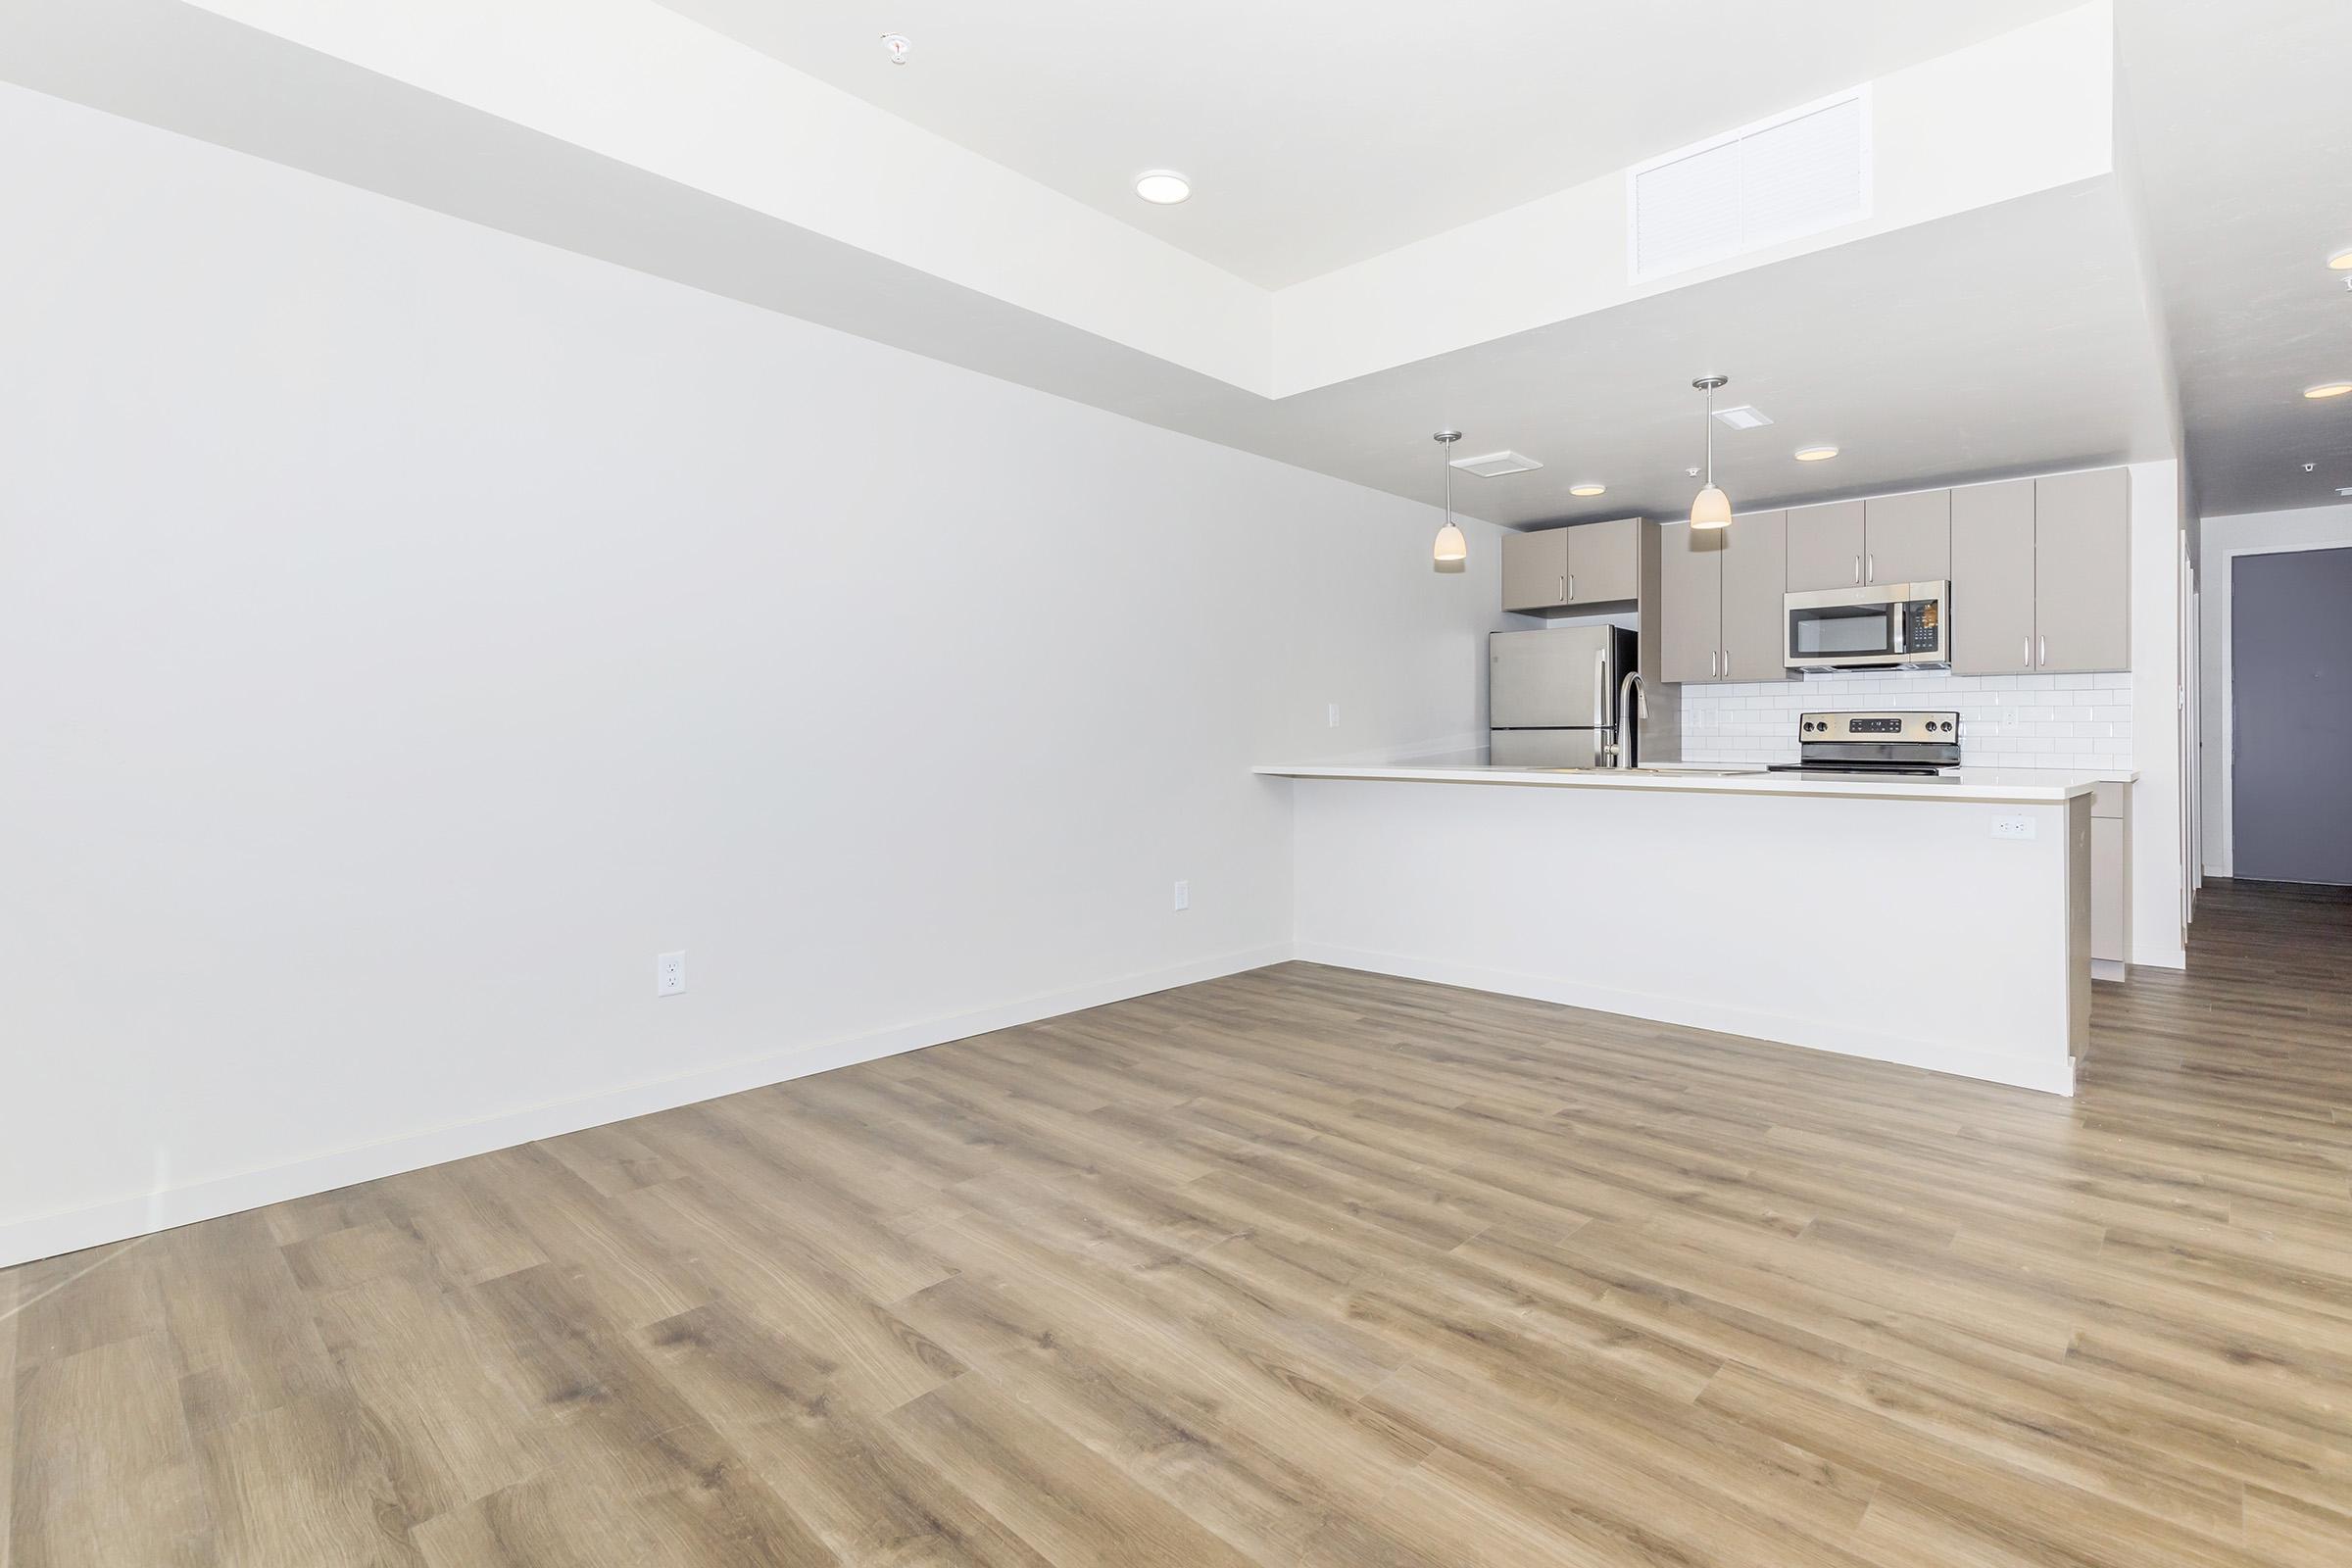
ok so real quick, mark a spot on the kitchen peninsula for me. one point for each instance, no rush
(1942, 922)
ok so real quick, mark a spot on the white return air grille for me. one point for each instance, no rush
(1797, 173)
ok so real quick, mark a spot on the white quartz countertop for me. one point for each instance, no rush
(2018, 786)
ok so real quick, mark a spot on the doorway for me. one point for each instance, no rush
(2290, 659)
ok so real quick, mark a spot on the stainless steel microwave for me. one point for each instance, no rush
(1889, 625)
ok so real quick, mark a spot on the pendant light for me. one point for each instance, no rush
(1712, 508)
(1452, 551)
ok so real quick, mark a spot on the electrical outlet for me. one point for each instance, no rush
(1333, 717)
(2013, 827)
(669, 975)
(1184, 894)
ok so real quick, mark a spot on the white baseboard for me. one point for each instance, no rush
(2056, 1077)
(71, 1230)
(2109, 969)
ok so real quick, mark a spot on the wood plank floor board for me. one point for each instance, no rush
(1301, 1267)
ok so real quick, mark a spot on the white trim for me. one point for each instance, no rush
(70, 1230)
(1772, 1028)
(2109, 969)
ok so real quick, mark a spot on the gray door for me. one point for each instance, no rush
(2290, 688)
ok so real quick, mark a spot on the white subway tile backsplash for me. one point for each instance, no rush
(2005, 720)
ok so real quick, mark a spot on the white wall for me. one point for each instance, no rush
(408, 631)
(2244, 533)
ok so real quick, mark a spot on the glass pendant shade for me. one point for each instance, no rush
(1451, 546)
(1712, 509)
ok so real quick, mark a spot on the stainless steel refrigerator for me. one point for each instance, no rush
(1551, 696)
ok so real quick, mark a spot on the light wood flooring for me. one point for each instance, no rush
(1301, 1267)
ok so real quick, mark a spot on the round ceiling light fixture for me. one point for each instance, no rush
(1163, 188)
(895, 45)
(2341, 261)
(1815, 453)
(2327, 389)
(1587, 489)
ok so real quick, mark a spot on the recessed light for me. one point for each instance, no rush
(1587, 489)
(2327, 389)
(1162, 187)
(1815, 453)
(2341, 261)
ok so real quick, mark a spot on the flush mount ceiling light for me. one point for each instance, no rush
(1587, 489)
(895, 46)
(1815, 453)
(1451, 552)
(2341, 261)
(1162, 187)
(1712, 508)
(2327, 389)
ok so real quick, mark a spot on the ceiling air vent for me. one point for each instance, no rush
(1494, 465)
(1797, 173)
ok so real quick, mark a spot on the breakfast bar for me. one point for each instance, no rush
(1942, 922)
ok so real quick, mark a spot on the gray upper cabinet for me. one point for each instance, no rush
(1535, 569)
(1825, 546)
(1605, 560)
(1907, 538)
(1993, 578)
(1756, 557)
(1591, 563)
(1720, 599)
(2041, 575)
(1689, 604)
(2082, 571)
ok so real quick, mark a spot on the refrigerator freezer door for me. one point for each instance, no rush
(1544, 748)
(1563, 679)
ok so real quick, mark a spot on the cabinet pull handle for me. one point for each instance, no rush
(1572, 585)
(1563, 587)
(1727, 663)
(2028, 650)
(1873, 574)
(1858, 571)
(2045, 650)
(1712, 655)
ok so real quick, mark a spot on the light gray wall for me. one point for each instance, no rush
(2222, 539)
(407, 631)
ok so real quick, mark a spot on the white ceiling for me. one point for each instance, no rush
(1318, 132)
(2244, 126)
(2021, 333)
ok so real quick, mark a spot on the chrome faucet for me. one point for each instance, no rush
(1632, 693)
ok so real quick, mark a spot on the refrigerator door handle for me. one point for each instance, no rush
(1600, 688)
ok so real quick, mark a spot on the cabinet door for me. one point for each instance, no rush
(1535, 569)
(1993, 578)
(1605, 560)
(1825, 546)
(1908, 538)
(1755, 564)
(2082, 571)
(2109, 883)
(1689, 604)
